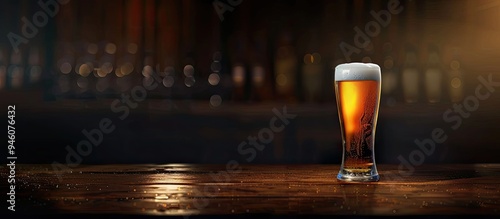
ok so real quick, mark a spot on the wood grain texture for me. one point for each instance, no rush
(183, 189)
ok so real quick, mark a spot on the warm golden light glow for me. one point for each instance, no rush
(350, 108)
(308, 59)
(238, 76)
(213, 79)
(110, 48)
(65, 68)
(85, 69)
(92, 48)
(454, 65)
(316, 57)
(456, 82)
(351, 102)
(127, 68)
(281, 80)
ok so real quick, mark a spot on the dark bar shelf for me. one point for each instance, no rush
(186, 189)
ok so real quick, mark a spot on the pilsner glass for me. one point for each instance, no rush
(357, 88)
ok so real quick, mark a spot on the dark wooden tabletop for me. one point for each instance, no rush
(184, 189)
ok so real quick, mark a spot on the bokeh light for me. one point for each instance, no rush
(388, 63)
(107, 68)
(258, 75)
(132, 48)
(188, 71)
(189, 81)
(64, 84)
(85, 69)
(455, 65)
(35, 73)
(17, 76)
(308, 59)
(456, 82)
(216, 66)
(110, 48)
(102, 84)
(65, 68)
(215, 100)
(238, 76)
(3, 75)
(147, 71)
(92, 48)
(82, 83)
(168, 81)
(281, 79)
(213, 79)
(127, 68)
(217, 56)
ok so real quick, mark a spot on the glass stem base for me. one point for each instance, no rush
(349, 176)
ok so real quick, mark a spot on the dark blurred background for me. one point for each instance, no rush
(221, 67)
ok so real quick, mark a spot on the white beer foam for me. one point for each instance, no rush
(357, 71)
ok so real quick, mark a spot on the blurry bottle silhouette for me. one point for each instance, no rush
(238, 76)
(34, 71)
(261, 79)
(66, 51)
(15, 71)
(260, 87)
(150, 58)
(3, 68)
(131, 65)
(312, 69)
(238, 69)
(456, 82)
(285, 68)
(410, 77)
(312, 77)
(433, 75)
(389, 74)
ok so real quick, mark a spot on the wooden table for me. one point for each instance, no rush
(184, 189)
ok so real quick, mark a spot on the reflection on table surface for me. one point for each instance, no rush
(184, 189)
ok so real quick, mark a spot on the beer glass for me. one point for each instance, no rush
(357, 88)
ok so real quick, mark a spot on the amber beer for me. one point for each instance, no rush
(357, 88)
